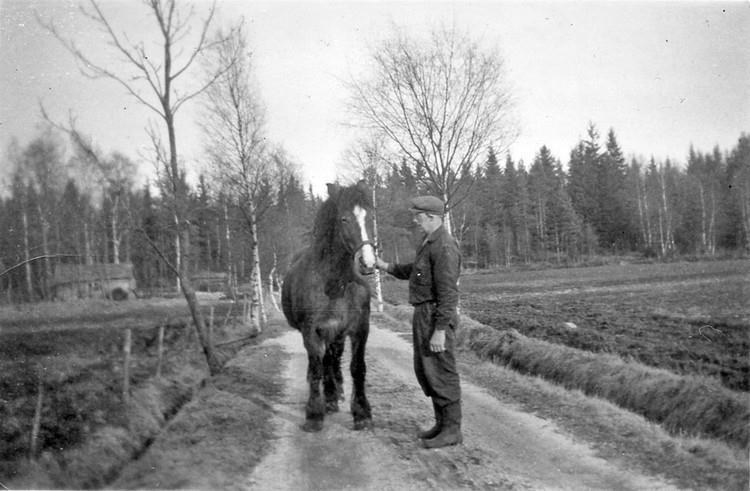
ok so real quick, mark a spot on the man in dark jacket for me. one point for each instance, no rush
(433, 291)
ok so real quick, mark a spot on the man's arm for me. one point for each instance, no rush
(445, 271)
(400, 271)
(446, 266)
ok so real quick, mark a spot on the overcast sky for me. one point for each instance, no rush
(663, 75)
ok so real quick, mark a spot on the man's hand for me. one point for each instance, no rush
(437, 341)
(380, 264)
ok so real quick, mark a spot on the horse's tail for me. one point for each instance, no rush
(287, 302)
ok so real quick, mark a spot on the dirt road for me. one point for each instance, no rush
(504, 447)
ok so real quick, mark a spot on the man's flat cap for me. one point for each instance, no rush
(428, 204)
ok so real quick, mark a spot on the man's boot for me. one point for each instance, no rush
(433, 432)
(451, 432)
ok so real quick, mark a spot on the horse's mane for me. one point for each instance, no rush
(327, 220)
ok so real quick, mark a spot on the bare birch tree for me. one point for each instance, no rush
(151, 79)
(665, 214)
(636, 186)
(236, 142)
(40, 171)
(111, 174)
(441, 104)
(704, 170)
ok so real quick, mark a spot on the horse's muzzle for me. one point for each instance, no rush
(364, 269)
(361, 262)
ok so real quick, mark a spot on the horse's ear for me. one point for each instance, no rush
(333, 189)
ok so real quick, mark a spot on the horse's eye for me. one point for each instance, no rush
(344, 219)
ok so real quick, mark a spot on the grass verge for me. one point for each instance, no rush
(687, 405)
(616, 433)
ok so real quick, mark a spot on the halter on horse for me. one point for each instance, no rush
(326, 298)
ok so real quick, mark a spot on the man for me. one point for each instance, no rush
(433, 291)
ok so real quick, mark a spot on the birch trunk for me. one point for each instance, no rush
(448, 222)
(508, 240)
(662, 244)
(541, 225)
(712, 224)
(640, 198)
(231, 274)
(257, 281)
(217, 261)
(178, 252)
(45, 250)
(649, 224)
(376, 241)
(115, 234)
(27, 254)
(704, 238)
(87, 243)
(272, 282)
(668, 240)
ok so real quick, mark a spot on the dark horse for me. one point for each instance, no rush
(326, 298)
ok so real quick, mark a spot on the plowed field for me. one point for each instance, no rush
(687, 317)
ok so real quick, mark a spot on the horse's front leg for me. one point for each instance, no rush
(360, 407)
(332, 378)
(315, 409)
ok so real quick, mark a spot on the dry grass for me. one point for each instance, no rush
(222, 434)
(682, 404)
(615, 433)
(87, 434)
(94, 463)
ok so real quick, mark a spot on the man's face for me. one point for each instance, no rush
(423, 221)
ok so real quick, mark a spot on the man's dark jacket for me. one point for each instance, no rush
(433, 276)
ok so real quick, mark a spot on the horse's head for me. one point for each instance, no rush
(351, 206)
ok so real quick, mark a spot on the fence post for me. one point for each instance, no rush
(126, 367)
(160, 350)
(37, 423)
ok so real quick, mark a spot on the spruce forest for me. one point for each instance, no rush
(595, 203)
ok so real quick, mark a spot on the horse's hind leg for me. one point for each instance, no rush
(360, 406)
(333, 380)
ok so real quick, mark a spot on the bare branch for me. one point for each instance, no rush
(440, 104)
(91, 69)
(201, 47)
(36, 258)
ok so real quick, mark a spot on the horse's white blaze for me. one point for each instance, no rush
(368, 251)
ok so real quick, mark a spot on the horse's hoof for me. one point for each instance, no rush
(332, 406)
(312, 425)
(363, 424)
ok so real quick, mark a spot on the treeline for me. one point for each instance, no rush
(602, 203)
(62, 210)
